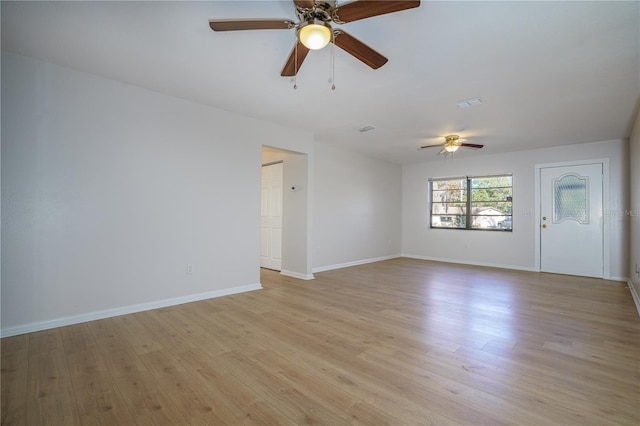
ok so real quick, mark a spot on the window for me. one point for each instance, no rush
(472, 202)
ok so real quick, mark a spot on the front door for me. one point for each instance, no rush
(571, 220)
(271, 217)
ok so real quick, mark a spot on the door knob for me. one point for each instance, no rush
(544, 225)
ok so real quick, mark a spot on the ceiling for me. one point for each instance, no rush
(549, 73)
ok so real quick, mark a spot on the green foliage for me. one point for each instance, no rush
(492, 192)
(487, 197)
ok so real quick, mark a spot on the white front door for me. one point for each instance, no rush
(271, 217)
(571, 220)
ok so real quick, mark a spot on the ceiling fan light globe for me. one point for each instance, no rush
(315, 36)
(451, 148)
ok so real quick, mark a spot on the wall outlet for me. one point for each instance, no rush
(190, 268)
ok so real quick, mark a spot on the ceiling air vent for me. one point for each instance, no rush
(468, 103)
(365, 129)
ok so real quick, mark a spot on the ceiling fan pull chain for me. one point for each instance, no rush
(295, 61)
(333, 61)
(295, 65)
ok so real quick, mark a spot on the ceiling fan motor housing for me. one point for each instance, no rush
(320, 12)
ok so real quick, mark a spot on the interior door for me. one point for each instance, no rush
(271, 217)
(571, 220)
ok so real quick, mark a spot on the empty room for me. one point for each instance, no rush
(319, 212)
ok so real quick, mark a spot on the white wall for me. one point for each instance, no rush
(357, 208)
(634, 212)
(507, 249)
(109, 191)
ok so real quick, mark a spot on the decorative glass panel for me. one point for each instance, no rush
(570, 200)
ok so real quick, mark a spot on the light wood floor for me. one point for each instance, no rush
(396, 342)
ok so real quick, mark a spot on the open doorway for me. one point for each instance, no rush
(291, 239)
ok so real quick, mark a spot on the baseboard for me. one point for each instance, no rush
(472, 263)
(634, 294)
(131, 309)
(297, 275)
(621, 279)
(354, 263)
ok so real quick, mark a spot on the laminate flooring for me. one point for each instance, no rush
(398, 342)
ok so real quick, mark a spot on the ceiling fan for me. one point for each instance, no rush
(314, 29)
(451, 145)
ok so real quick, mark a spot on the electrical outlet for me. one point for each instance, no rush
(190, 268)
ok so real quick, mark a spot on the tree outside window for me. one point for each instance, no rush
(472, 202)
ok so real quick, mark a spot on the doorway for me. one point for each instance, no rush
(271, 217)
(571, 219)
(294, 209)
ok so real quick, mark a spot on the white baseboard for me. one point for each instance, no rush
(621, 279)
(634, 294)
(108, 313)
(354, 263)
(297, 275)
(472, 263)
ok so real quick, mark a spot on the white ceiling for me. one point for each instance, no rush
(549, 73)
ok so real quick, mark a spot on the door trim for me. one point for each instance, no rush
(606, 261)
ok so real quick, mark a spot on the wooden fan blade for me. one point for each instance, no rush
(358, 49)
(430, 146)
(356, 10)
(305, 4)
(250, 24)
(472, 145)
(292, 66)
